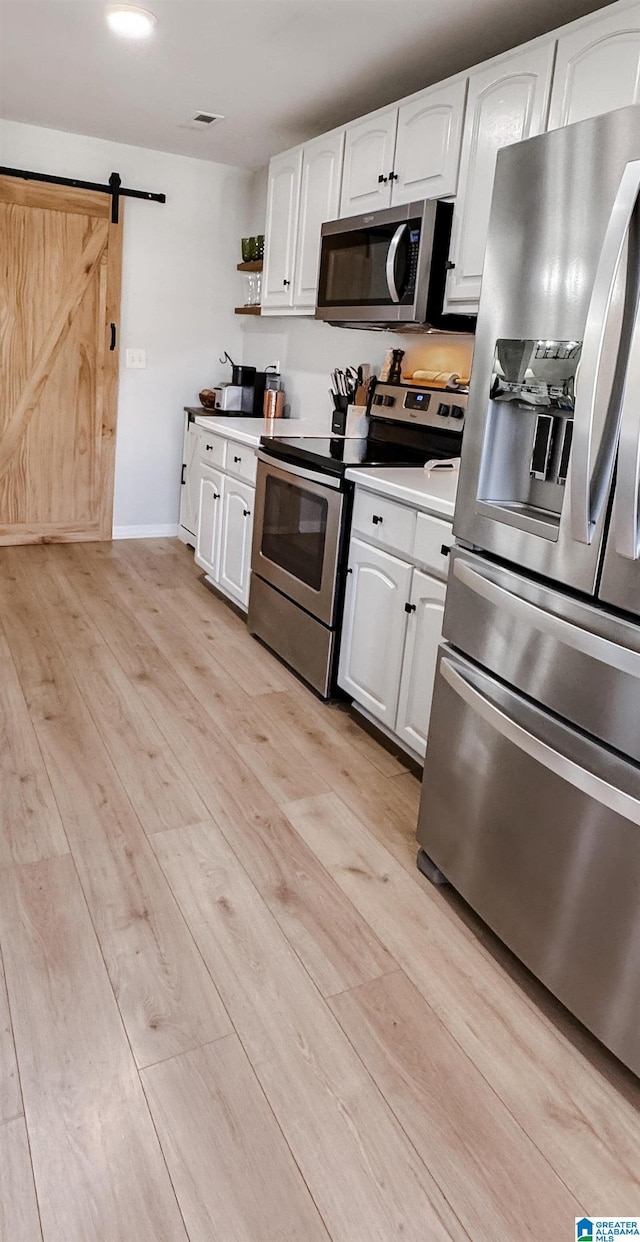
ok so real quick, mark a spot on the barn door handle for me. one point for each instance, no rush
(112, 329)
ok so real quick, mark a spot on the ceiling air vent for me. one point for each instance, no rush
(202, 120)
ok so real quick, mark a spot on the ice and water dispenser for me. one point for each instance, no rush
(528, 434)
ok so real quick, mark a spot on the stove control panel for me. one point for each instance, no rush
(416, 403)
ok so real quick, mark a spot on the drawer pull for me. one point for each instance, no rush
(377, 521)
(246, 513)
(409, 607)
(182, 479)
(209, 448)
(237, 460)
(445, 549)
(216, 495)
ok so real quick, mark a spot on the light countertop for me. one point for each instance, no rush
(433, 492)
(250, 430)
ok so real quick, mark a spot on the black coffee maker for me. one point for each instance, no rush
(249, 385)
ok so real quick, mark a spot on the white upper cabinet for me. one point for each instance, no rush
(319, 201)
(368, 161)
(283, 199)
(507, 102)
(427, 154)
(597, 67)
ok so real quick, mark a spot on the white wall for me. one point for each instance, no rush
(308, 351)
(178, 293)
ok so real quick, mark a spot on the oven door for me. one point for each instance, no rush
(297, 534)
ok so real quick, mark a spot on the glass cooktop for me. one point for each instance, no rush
(335, 454)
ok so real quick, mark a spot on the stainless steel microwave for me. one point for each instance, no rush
(387, 269)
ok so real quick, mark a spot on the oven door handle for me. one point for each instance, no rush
(391, 262)
(313, 476)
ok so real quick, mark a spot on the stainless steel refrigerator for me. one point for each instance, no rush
(531, 791)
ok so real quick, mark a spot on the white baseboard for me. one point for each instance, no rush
(145, 532)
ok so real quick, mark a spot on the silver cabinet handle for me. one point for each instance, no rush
(589, 481)
(391, 262)
(547, 756)
(593, 645)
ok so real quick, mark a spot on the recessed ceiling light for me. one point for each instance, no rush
(132, 23)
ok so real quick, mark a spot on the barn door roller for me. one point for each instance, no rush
(115, 187)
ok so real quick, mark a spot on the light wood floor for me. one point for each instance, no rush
(231, 1010)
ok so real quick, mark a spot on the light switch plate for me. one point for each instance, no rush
(137, 358)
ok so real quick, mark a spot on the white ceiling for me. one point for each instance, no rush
(281, 71)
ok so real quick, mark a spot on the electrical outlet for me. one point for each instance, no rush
(137, 358)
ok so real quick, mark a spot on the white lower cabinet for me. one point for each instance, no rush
(373, 629)
(392, 623)
(424, 627)
(224, 519)
(235, 540)
(189, 483)
(209, 519)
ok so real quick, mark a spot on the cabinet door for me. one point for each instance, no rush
(283, 197)
(319, 201)
(597, 67)
(373, 629)
(507, 102)
(424, 629)
(368, 160)
(209, 519)
(428, 144)
(190, 481)
(235, 540)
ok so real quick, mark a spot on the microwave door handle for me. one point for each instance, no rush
(625, 532)
(586, 479)
(391, 262)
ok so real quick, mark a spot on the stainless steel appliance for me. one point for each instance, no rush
(302, 515)
(387, 269)
(531, 790)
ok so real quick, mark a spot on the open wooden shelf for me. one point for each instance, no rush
(254, 265)
(248, 310)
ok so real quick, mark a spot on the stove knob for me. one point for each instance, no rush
(388, 400)
(457, 411)
(443, 410)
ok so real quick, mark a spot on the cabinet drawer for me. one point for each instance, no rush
(384, 522)
(241, 462)
(213, 450)
(432, 534)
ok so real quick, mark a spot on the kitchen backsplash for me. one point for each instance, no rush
(308, 351)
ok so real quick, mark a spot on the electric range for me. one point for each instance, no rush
(303, 515)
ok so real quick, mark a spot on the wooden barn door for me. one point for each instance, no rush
(60, 260)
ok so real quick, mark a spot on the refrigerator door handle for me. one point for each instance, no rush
(549, 623)
(547, 756)
(586, 494)
(628, 481)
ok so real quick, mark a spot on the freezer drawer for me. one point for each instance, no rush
(572, 656)
(538, 828)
